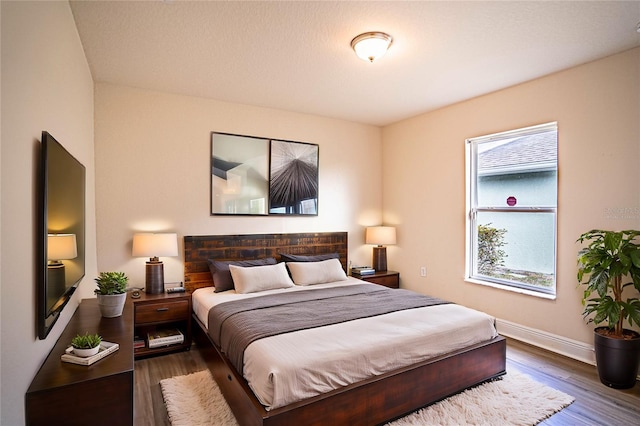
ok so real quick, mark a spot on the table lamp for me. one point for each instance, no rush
(154, 246)
(380, 235)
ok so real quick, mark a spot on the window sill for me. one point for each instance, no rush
(512, 289)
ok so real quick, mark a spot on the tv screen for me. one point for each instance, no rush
(62, 231)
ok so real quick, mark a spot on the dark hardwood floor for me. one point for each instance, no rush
(595, 403)
(149, 408)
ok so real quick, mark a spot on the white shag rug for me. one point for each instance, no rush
(195, 400)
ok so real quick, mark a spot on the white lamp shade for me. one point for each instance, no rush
(380, 235)
(61, 246)
(155, 245)
(371, 46)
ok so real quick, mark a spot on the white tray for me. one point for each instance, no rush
(106, 348)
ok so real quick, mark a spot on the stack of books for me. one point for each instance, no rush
(138, 342)
(165, 337)
(362, 270)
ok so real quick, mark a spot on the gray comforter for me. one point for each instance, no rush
(235, 325)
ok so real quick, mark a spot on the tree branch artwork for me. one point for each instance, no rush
(293, 184)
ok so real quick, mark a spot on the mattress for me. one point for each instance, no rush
(294, 366)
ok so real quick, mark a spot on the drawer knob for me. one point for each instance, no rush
(162, 309)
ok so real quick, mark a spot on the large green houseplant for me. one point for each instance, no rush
(111, 293)
(608, 264)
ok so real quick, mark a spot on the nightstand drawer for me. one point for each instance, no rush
(161, 311)
(388, 281)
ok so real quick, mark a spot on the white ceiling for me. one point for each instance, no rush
(296, 56)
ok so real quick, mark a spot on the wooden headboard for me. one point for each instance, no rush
(197, 249)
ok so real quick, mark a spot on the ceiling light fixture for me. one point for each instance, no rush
(370, 46)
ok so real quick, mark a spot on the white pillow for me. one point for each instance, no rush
(260, 278)
(308, 273)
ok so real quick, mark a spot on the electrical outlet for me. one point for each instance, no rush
(423, 271)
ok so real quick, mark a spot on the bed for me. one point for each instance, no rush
(391, 390)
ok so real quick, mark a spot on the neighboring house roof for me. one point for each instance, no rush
(527, 153)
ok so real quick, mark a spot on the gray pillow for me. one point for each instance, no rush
(310, 258)
(221, 275)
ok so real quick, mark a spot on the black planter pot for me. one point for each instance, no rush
(617, 360)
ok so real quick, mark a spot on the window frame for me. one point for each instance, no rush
(472, 209)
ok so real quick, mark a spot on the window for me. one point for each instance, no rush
(512, 193)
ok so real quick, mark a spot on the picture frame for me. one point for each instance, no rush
(239, 174)
(260, 176)
(293, 178)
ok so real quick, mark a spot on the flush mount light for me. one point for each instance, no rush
(372, 45)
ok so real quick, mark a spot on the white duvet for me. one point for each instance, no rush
(290, 367)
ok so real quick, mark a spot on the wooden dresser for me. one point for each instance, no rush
(100, 394)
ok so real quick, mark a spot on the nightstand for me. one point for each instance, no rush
(386, 278)
(153, 312)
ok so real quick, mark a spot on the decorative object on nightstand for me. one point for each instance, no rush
(154, 246)
(362, 270)
(380, 235)
(111, 293)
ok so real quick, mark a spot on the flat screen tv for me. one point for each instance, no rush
(61, 233)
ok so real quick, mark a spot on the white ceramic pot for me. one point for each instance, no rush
(84, 353)
(111, 305)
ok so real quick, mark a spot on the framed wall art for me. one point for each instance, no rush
(293, 178)
(239, 174)
(262, 176)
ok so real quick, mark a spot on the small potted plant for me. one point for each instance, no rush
(609, 259)
(111, 293)
(86, 345)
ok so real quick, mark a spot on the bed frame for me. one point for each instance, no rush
(374, 401)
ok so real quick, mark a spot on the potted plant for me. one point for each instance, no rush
(111, 293)
(610, 259)
(86, 345)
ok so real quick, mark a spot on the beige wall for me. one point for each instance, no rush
(152, 172)
(597, 107)
(46, 85)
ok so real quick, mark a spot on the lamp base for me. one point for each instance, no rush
(379, 258)
(154, 277)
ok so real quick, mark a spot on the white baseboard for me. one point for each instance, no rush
(551, 342)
